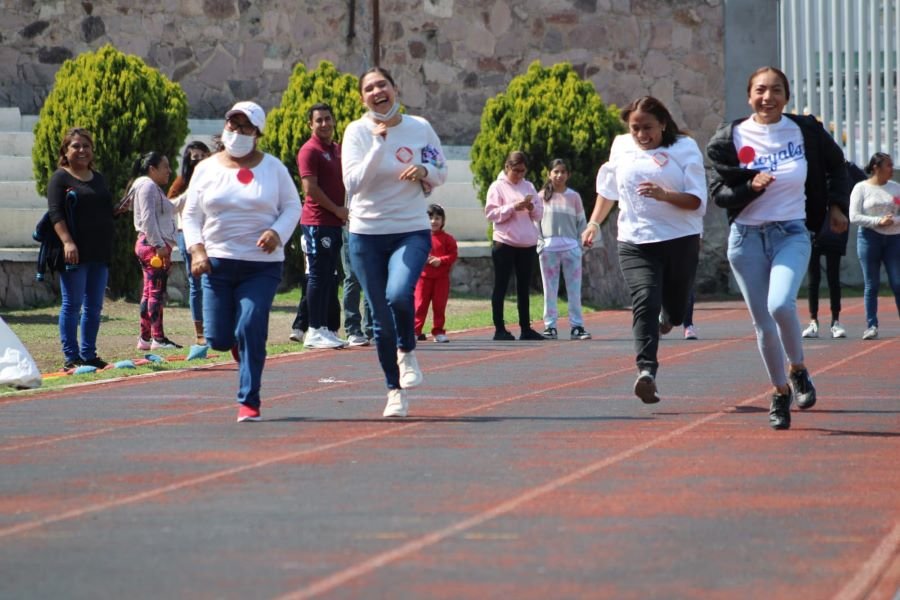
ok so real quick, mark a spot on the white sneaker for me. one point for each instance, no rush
(812, 330)
(441, 338)
(321, 338)
(296, 335)
(410, 374)
(334, 335)
(871, 333)
(357, 339)
(397, 405)
(837, 331)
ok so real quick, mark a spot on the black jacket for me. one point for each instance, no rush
(827, 182)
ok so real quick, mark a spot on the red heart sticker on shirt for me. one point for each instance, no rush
(661, 159)
(245, 176)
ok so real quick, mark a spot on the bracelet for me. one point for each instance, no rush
(595, 224)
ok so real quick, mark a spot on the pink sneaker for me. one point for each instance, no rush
(143, 344)
(248, 413)
(690, 333)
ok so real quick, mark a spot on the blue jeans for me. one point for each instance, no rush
(875, 249)
(237, 299)
(323, 251)
(388, 266)
(83, 290)
(354, 322)
(195, 292)
(769, 262)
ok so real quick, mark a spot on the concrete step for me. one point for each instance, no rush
(18, 225)
(17, 143)
(10, 119)
(20, 194)
(15, 168)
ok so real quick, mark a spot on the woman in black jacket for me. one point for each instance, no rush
(779, 176)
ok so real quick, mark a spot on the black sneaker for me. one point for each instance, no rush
(69, 365)
(421, 337)
(530, 334)
(803, 389)
(664, 325)
(645, 388)
(550, 333)
(780, 411)
(578, 333)
(502, 335)
(94, 362)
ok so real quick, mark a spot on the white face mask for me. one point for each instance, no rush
(388, 115)
(237, 144)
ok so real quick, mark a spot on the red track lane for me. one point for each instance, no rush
(527, 469)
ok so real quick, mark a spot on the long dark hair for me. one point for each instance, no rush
(548, 186)
(141, 166)
(876, 161)
(67, 139)
(187, 165)
(655, 107)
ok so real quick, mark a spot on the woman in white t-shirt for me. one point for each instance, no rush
(656, 175)
(242, 206)
(390, 161)
(779, 176)
(874, 206)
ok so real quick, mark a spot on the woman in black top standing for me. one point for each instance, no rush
(81, 210)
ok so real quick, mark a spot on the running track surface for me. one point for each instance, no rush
(525, 470)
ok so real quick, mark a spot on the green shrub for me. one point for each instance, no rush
(547, 113)
(287, 127)
(129, 108)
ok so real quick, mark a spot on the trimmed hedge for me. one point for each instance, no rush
(129, 108)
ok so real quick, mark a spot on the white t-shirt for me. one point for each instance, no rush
(380, 203)
(869, 203)
(776, 149)
(678, 167)
(228, 215)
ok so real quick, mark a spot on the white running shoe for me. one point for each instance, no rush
(296, 335)
(397, 405)
(837, 331)
(812, 330)
(321, 338)
(357, 339)
(336, 337)
(410, 374)
(441, 338)
(690, 333)
(871, 333)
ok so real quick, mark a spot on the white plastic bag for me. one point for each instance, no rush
(16, 365)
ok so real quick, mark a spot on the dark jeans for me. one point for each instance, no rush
(323, 251)
(689, 311)
(301, 321)
(660, 276)
(83, 290)
(388, 267)
(832, 275)
(509, 259)
(875, 249)
(354, 322)
(195, 291)
(237, 300)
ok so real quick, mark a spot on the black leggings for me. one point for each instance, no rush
(832, 275)
(660, 277)
(508, 259)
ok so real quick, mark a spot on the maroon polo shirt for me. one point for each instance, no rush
(316, 159)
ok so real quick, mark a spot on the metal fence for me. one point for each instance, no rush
(842, 59)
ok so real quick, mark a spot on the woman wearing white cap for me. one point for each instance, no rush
(242, 205)
(389, 161)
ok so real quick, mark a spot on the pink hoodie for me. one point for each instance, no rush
(513, 227)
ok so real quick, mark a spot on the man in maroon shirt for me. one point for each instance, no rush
(324, 213)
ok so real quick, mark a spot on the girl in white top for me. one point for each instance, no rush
(154, 220)
(390, 162)
(242, 206)
(656, 175)
(875, 206)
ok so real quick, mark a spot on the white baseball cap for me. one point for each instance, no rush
(252, 111)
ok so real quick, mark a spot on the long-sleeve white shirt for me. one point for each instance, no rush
(228, 215)
(154, 215)
(869, 203)
(380, 203)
